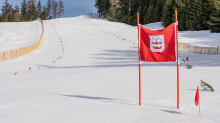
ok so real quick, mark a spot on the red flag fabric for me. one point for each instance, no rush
(187, 58)
(158, 45)
(197, 96)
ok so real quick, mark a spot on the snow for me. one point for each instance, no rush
(16, 35)
(199, 38)
(96, 80)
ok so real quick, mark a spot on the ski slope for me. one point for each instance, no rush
(95, 79)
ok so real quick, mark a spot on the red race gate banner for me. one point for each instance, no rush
(158, 45)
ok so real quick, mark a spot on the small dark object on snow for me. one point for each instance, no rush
(206, 86)
(188, 66)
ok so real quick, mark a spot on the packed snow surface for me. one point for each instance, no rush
(15, 35)
(92, 77)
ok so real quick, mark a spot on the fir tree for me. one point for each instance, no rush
(11, 17)
(200, 14)
(43, 15)
(102, 6)
(98, 6)
(159, 6)
(61, 10)
(17, 16)
(54, 8)
(149, 18)
(4, 16)
(48, 9)
(23, 18)
(6, 7)
(214, 22)
(0, 17)
(168, 13)
(32, 10)
(129, 21)
(125, 10)
(112, 13)
(24, 10)
(39, 9)
(17, 8)
(125, 7)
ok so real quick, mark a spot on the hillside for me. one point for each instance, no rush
(92, 76)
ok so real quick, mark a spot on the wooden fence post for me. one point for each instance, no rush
(217, 50)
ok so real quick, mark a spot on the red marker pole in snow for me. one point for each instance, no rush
(177, 60)
(197, 99)
(187, 59)
(139, 59)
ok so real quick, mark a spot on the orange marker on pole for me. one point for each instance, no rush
(177, 59)
(139, 59)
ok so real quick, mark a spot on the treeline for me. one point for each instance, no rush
(192, 14)
(31, 10)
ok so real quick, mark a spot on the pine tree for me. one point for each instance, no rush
(17, 8)
(32, 12)
(156, 14)
(125, 10)
(112, 14)
(43, 15)
(141, 14)
(39, 9)
(200, 14)
(214, 22)
(149, 18)
(134, 6)
(102, 6)
(98, 6)
(6, 7)
(188, 8)
(125, 7)
(54, 8)
(23, 18)
(17, 16)
(61, 10)
(11, 17)
(168, 13)
(160, 4)
(4, 16)
(0, 17)
(16, 13)
(180, 6)
(24, 10)
(48, 9)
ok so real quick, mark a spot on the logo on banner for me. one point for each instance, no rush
(157, 43)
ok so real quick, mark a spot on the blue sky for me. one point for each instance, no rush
(72, 7)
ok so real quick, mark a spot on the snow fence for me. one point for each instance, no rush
(22, 51)
(198, 49)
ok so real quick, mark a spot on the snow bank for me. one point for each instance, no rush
(15, 35)
(198, 38)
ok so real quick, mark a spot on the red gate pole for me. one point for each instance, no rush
(139, 59)
(177, 59)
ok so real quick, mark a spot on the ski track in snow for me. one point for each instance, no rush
(96, 80)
